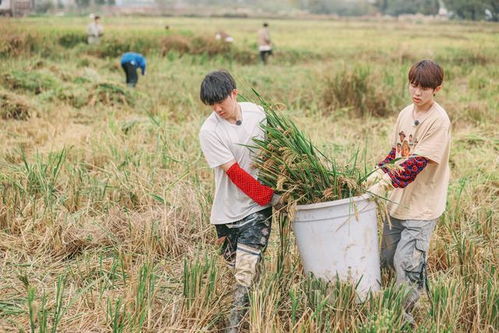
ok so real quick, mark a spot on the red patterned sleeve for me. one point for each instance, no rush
(410, 169)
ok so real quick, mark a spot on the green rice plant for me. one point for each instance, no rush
(489, 301)
(117, 315)
(144, 297)
(447, 301)
(39, 314)
(378, 323)
(384, 310)
(199, 280)
(41, 178)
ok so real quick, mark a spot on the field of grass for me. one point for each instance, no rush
(105, 196)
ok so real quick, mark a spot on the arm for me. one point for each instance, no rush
(144, 70)
(384, 179)
(143, 67)
(410, 169)
(260, 193)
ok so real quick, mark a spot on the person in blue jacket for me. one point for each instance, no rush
(130, 61)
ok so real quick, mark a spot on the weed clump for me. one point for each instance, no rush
(194, 45)
(110, 94)
(177, 43)
(358, 90)
(13, 44)
(71, 39)
(33, 82)
(14, 107)
(114, 47)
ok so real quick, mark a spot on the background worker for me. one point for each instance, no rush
(94, 30)
(241, 210)
(419, 185)
(264, 43)
(130, 62)
(224, 37)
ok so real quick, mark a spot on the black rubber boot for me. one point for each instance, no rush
(239, 308)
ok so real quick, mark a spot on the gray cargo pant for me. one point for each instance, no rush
(404, 248)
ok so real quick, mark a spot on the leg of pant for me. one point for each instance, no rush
(247, 259)
(262, 57)
(252, 241)
(389, 242)
(127, 76)
(410, 256)
(227, 239)
(134, 78)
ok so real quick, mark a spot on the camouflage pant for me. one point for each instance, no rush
(243, 243)
(404, 248)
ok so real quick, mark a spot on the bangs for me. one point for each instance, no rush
(216, 87)
(426, 74)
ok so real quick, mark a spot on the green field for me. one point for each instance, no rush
(105, 195)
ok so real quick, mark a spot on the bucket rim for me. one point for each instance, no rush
(325, 204)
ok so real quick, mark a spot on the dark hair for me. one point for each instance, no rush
(426, 73)
(265, 24)
(216, 87)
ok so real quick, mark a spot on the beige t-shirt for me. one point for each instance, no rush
(425, 197)
(222, 142)
(264, 43)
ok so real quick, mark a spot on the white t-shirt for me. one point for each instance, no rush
(222, 142)
(425, 198)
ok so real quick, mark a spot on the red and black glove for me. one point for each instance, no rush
(390, 157)
(411, 168)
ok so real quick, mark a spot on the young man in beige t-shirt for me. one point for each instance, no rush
(264, 43)
(94, 31)
(416, 172)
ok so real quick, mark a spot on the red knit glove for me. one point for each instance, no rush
(261, 194)
(390, 157)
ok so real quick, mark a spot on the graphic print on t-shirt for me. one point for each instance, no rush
(405, 144)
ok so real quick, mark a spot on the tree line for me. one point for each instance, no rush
(460, 9)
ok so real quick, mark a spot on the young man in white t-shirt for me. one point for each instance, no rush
(418, 183)
(241, 210)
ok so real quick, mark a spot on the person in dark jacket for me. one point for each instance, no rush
(130, 61)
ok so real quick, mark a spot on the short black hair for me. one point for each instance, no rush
(265, 24)
(216, 87)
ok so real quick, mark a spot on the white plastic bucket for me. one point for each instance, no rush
(340, 239)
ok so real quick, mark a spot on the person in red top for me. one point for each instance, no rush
(416, 173)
